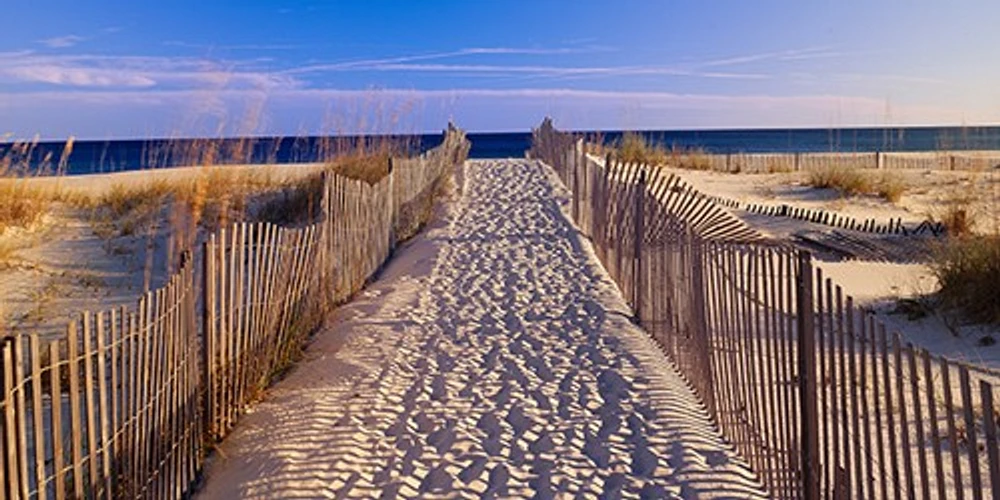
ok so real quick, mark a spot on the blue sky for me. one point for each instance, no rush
(116, 69)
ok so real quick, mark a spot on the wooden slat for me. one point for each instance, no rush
(918, 419)
(209, 332)
(103, 393)
(91, 411)
(975, 476)
(41, 475)
(904, 424)
(932, 416)
(9, 427)
(76, 430)
(4, 483)
(855, 422)
(20, 381)
(880, 437)
(990, 437)
(896, 486)
(56, 404)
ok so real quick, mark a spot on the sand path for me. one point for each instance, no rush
(493, 359)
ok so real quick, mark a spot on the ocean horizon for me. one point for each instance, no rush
(103, 156)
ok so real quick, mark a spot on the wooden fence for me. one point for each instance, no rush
(120, 384)
(765, 163)
(125, 404)
(812, 390)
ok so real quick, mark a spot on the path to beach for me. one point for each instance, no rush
(493, 358)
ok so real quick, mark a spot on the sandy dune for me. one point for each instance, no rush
(494, 358)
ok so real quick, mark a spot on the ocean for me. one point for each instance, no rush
(116, 155)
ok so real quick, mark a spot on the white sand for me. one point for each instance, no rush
(493, 358)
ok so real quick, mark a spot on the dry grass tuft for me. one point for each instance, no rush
(21, 205)
(956, 213)
(370, 168)
(296, 203)
(968, 269)
(848, 181)
(634, 148)
(890, 186)
(853, 182)
(691, 159)
(7, 250)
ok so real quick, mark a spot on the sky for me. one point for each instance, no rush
(106, 69)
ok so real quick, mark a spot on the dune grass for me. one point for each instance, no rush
(21, 205)
(633, 147)
(968, 269)
(849, 181)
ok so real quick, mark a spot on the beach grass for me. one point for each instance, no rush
(633, 147)
(968, 269)
(21, 205)
(847, 181)
(850, 181)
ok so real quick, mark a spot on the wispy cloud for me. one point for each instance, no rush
(651, 98)
(249, 46)
(375, 63)
(80, 77)
(561, 71)
(824, 52)
(134, 71)
(60, 42)
(307, 110)
(904, 79)
(419, 63)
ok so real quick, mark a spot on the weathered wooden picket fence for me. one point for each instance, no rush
(125, 404)
(764, 163)
(812, 390)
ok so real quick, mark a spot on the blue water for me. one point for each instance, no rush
(110, 156)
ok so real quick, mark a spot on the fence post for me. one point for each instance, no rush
(393, 205)
(640, 231)
(208, 334)
(574, 188)
(807, 379)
